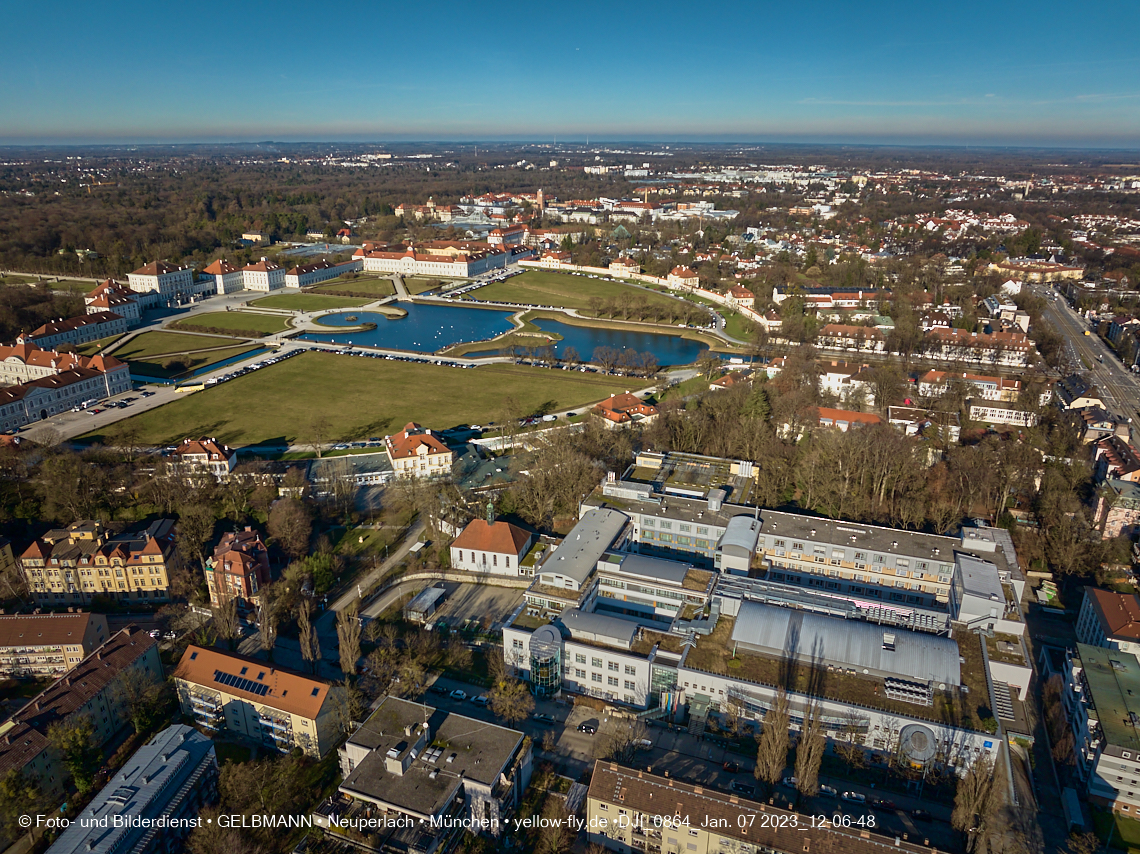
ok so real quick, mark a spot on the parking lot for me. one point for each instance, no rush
(481, 604)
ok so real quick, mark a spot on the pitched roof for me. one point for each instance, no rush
(210, 448)
(849, 416)
(42, 629)
(498, 537)
(156, 268)
(408, 441)
(683, 273)
(72, 323)
(1119, 613)
(262, 266)
(221, 267)
(287, 691)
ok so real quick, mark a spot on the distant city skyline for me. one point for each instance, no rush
(1010, 74)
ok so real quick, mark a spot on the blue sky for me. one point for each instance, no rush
(995, 73)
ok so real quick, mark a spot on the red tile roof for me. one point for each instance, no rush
(1119, 613)
(408, 441)
(156, 268)
(221, 267)
(498, 537)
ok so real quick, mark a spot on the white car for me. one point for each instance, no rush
(854, 797)
(458, 695)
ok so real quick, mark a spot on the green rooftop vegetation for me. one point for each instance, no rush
(1005, 648)
(526, 621)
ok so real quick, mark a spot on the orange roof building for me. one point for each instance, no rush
(206, 455)
(843, 419)
(280, 709)
(684, 276)
(625, 408)
(238, 569)
(1110, 620)
(492, 547)
(417, 452)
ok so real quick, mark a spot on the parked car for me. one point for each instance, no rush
(155, 633)
(742, 788)
(587, 728)
(828, 792)
(854, 797)
(883, 804)
(789, 781)
(457, 694)
(921, 815)
(732, 767)
(542, 718)
(439, 689)
(481, 700)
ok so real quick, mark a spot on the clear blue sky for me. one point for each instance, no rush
(1007, 73)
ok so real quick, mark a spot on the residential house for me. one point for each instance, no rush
(683, 277)
(279, 709)
(864, 339)
(238, 569)
(739, 295)
(937, 383)
(941, 426)
(1118, 507)
(88, 690)
(1075, 392)
(844, 420)
(1094, 423)
(40, 645)
(417, 452)
(492, 547)
(625, 408)
(206, 455)
(73, 565)
(624, 267)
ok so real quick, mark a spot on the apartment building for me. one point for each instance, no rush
(1109, 620)
(87, 690)
(417, 452)
(238, 569)
(1102, 703)
(937, 383)
(280, 709)
(1003, 414)
(73, 565)
(1118, 505)
(630, 811)
(413, 761)
(152, 802)
(174, 284)
(39, 645)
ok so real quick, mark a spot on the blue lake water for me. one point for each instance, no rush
(429, 328)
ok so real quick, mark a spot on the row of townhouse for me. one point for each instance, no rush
(38, 399)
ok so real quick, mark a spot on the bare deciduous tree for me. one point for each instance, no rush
(772, 755)
(809, 750)
(348, 635)
(307, 634)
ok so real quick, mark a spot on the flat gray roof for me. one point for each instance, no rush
(859, 536)
(599, 628)
(578, 554)
(980, 578)
(145, 788)
(425, 599)
(643, 566)
(783, 632)
(478, 751)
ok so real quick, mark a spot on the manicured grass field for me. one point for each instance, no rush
(737, 325)
(156, 365)
(365, 285)
(417, 285)
(236, 320)
(70, 285)
(308, 302)
(541, 287)
(362, 398)
(151, 344)
(93, 347)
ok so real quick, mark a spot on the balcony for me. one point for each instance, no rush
(275, 723)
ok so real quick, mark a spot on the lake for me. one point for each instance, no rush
(429, 328)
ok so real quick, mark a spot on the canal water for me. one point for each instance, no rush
(429, 328)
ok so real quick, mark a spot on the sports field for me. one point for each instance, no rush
(239, 321)
(542, 287)
(163, 343)
(363, 397)
(308, 302)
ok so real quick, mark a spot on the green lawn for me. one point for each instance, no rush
(239, 321)
(1126, 835)
(170, 366)
(93, 347)
(362, 398)
(150, 344)
(71, 285)
(309, 302)
(542, 287)
(417, 285)
(364, 286)
(737, 325)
